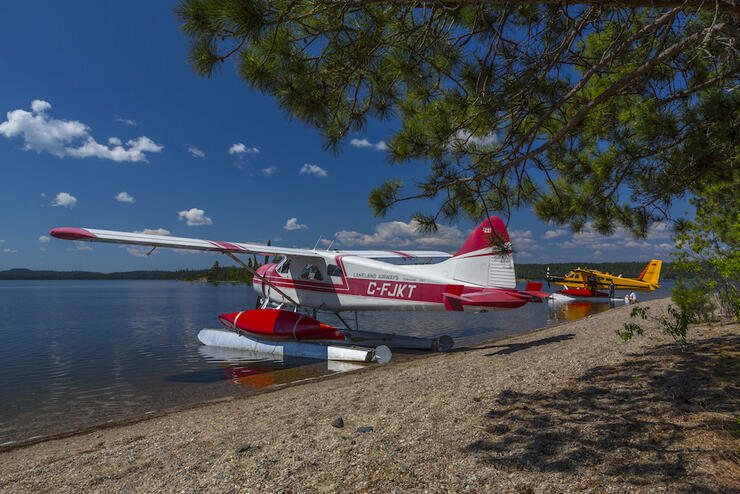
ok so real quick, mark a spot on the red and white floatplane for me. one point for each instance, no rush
(479, 277)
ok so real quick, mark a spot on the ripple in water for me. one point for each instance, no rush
(76, 353)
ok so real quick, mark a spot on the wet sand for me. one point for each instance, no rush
(564, 408)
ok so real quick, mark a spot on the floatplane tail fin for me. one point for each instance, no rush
(651, 273)
(485, 258)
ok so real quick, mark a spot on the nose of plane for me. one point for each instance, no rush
(262, 270)
(259, 287)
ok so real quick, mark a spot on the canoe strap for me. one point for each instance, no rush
(236, 319)
(296, 325)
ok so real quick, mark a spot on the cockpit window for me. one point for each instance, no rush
(311, 272)
(333, 270)
(284, 266)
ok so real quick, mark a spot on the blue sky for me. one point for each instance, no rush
(104, 125)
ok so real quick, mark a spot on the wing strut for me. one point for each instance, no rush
(255, 273)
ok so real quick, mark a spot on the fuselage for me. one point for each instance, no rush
(340, 282)
(597, 280)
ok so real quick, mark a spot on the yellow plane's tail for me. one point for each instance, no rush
(651, 273)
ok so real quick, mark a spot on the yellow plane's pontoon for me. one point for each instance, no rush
(587, 282)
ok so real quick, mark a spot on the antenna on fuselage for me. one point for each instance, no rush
(332, 243)
(317, 243)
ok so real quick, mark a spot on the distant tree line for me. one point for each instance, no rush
(626, 269)
(226, 273)
(219, 273)
(215, 273)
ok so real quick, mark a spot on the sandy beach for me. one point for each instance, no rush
(565, 408)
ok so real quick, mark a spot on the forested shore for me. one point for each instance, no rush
(218, 273)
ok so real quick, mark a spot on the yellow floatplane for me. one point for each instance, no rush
(587, 282)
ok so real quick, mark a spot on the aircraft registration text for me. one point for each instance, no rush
(401, 290)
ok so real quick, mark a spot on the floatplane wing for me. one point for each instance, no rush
(149, 240)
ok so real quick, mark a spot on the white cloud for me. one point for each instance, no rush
(464, 138)
(240, 148)
(622, 240)
(660, 230)
(1, 241)
(196, 152)
(153, 231)
(558, 232)
(39, 106)
(44, 239)
(195, 217)
(63, 138)
(135, 152)
(309, 169)
(523, 240)
(292, 224)
(397, 234)
(80, 246)
(634, 243)
(65, 200)
(364, 143)
(9, 251)
(125, 121)
(139, 251)
(40, 132)
(124, 197)
(269, 171)
(360, 143)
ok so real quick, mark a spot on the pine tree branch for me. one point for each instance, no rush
(709, 82)
(665, 18)
(731, 7)
(611, 91)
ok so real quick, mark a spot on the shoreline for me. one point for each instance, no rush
(564, 407)
(134, 419)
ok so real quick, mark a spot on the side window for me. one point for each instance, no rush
(334, 270)
(284, 266)
(311, 272)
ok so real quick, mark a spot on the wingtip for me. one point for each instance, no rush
(71, 233)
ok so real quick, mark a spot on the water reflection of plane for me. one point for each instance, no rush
(259, 370)
(560, 310)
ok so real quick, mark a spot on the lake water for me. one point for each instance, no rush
(77, 353)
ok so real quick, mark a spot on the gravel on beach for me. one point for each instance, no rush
(562, 409)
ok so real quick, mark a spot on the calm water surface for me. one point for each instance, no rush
(77, 353)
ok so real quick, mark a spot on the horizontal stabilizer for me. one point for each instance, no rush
(535, 290)
(454, 302)
(493, 299)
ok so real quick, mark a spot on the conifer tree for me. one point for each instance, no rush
(581, 111)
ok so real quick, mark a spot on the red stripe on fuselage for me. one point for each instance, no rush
(398, 290)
